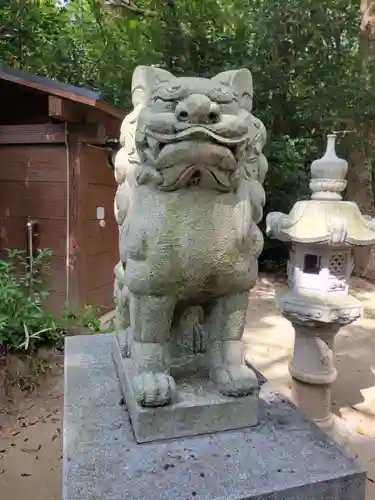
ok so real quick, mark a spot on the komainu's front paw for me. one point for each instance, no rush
(235, 380)
(154, 389)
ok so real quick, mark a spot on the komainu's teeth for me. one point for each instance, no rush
(154, 146)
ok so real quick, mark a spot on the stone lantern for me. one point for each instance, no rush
(322, 232)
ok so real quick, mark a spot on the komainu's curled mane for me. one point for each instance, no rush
(189, 197)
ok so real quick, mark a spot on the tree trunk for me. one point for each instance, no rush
(361, 145)
(360, 190)
(367, 35)
(360, 172)
(174, 38)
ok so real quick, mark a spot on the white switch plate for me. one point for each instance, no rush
(100, 213)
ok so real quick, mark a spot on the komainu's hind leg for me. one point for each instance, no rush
(151, 319)
(225, 325)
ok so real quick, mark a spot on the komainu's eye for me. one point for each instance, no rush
(221, 95)
(174, 88)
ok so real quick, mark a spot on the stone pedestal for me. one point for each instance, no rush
(284, 457)
(316, 321)
(314, 400)
(313, 356)
(199, 407)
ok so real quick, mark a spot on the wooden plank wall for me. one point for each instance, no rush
(33, 184)
(101, 243)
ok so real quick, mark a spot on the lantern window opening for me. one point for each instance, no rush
(312, 263)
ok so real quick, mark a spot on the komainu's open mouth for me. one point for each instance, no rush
(234, 149)
(195, 156)
(188, 163)
(195, 178)
(197, 132)
(162, 145)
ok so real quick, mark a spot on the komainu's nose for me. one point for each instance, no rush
(197, 108)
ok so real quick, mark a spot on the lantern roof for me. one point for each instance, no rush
(325, 218)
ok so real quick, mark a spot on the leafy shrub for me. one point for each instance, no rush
(88, 319)
(23, 320)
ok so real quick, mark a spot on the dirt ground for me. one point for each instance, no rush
(31, 441)
(30, 437)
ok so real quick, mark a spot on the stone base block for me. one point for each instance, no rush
(199, 409)
(285, 457)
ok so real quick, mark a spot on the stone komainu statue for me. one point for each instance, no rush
(189, 197)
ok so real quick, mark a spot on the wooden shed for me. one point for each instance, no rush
(55, 180)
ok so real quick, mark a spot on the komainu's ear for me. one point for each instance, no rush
(242, 81)
(144, 80)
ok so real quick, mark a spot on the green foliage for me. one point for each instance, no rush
(24, 324)
(304, 55)
(88, 319)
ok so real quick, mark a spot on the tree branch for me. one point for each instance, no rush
(128, 5)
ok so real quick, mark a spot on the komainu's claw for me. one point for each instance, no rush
(235, 380)
(154, 389)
